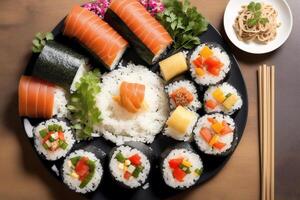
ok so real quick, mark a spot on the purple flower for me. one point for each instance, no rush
(153, 6)
(99, 7)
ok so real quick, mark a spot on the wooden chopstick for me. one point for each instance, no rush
(266, 84)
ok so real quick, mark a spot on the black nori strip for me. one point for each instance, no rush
(118, 24)
(58, 64)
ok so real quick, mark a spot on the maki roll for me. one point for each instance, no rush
(215, 134)
(60, 65)
(96, 35)
(53, 139)
(82, 171)
(41, 99)
(180, 124)
(209, 64)
(222, 98)
(181, 167)
(130, 164)
(183, 93)
(146, 35)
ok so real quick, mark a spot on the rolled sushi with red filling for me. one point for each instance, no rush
(209, 64)
(214, 134)
(183, 93)
(96, 35)
(53, 139)
(130, 164)
(144, 33)
(181, 167)
(222, 98)
(82, 171)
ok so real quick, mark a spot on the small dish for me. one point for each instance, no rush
(284, 17)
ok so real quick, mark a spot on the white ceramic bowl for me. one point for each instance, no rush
(284, 17)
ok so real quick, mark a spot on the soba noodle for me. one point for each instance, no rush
(259, 32)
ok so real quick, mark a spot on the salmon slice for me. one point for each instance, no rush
(142, 24)
(36, 98)
(95, 34)
(131, 96)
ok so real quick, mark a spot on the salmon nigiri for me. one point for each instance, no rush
(131, 96)
(148, 37)
(36, 97)
(96, 35)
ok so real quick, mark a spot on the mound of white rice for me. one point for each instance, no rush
(118, 124)
(209, 79)
(204, 123)
(60, 103)
(189, 179)
(57, 154)
(74, 183)
(119, 174)
(226, 88)
(170, 88)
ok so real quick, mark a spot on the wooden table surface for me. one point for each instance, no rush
(23, 175)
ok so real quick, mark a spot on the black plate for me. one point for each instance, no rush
(156, 189)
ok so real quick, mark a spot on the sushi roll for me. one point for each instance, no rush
(209, 64)
(183, 93)
(222, 98)
(53, 139)
(41, 99)
(96, 35)
(82, 171)
(130, 164)
(146, 35)
(214, 134)
(173, 66)
(60, 65)
(180, 124)
(181, 167)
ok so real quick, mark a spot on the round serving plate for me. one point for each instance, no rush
(156, 189)
(285, 19)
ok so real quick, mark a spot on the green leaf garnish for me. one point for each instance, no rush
(183, 22)
(82, 105)
(40, 41)
(255, 9)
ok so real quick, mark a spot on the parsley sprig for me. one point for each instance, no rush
(82, 105)
(183, 22)
(255, 9)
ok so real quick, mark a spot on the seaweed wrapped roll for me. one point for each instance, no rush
(82, 171)
(181, 167)
(130, 164)
(53, 139)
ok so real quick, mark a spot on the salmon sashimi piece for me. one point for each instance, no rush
(95, 34)
(142, 24)
(36, 97)
(131, 96)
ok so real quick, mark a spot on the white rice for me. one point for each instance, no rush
(168, 131)
(204, 123)
(209, 79)
(80, 72)
(195, 104)
(60, 103)
(74, 183)
(189, 179)
(226, 88)
(119, 125)
(117, 58)
(119, 173)
(59, 153)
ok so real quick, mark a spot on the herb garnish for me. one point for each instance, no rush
(40, 41)
(255, 9)
(183, 22)
(84, 112)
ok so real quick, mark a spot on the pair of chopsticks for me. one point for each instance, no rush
(266, 87)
